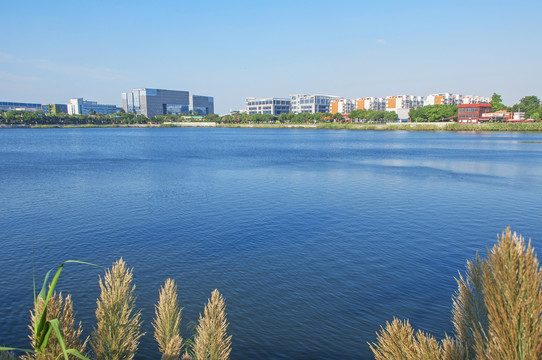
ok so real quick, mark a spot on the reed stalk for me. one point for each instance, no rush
(167, 322)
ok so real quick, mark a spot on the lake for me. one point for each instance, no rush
(315, 238)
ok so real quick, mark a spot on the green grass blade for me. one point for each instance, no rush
(77, 353)
(55, 324)
(2, 348)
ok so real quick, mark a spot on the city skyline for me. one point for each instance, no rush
(240, 49)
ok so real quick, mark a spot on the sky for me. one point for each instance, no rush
(53, 51)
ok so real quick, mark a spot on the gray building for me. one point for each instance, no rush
(273, 106)
(8, 105)
(153, 102)
(312, 103)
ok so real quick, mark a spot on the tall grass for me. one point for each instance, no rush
(61, 309)
(116, 336)
(167, 322)
(211, 341)
(497, 312)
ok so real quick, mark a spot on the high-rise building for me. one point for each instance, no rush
(402, 104)
(312, 103)
(273, 106)
(371, 103)
(78, 106)
(153, 102)
(343, 106)
(472, 99)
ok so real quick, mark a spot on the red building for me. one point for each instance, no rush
(471, 113)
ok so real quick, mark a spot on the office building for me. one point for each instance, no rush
(153, 102)
(273, 106)
(371, 103)
(19, 106)
(311, 103)
(402, 104)
(78, 106)
(54, 109)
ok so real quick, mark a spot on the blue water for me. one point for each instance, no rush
(315, 238)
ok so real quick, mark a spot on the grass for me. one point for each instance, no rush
(117, 333)
(497, 312)
(167, 322)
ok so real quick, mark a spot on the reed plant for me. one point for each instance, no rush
(117, 333)
(167, 322)
(497, 312)
(62, 309)
(211, 341)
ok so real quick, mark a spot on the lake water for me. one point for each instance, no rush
(314, 237)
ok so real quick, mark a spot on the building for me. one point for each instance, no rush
(471, 99)
(402, 104)
(8, 105)
(343, 106)
(371, 103)
(443, 99)
(273, 106)
(312, 103)
(153, 102)
(54, 109)
(502, 116)
(78, 106)
(202, 105)
(471, 113)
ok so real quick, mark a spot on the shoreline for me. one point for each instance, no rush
(491, 127)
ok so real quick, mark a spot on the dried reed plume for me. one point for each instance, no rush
(211, 341)
(117, 334)
(61, 309)
(497, 312)
(167, 322)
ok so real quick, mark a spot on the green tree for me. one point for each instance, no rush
(496, 102)
(529, 105)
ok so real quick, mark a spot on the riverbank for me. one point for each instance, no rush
(490, 127)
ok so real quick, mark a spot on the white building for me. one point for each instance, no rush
(273, 106)
(312, 103)
(343, 106)
(443, 99)
(78, 106)
(371, 103)
(471, 99)
(402, 104)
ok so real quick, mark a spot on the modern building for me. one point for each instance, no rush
(343, 106)
(371, 103)
(312, 103)
(443, 99)
(402, 104)
(54, 109)
(502, 116)
(78, 106)
(202, 105)
(153, 102)
(471, 113)
(19, 106)
(273, 106)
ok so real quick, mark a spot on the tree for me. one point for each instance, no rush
(496, 102)
(529, 104)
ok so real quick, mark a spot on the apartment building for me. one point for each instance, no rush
(371, 103)
(273, 106)
(343, 106)
(402, 104)
(443, 99)
(79, 106)
(472, 99)
(301, 103)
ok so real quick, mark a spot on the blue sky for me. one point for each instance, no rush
(53, 51)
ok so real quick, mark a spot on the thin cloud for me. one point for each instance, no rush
(381, 41)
